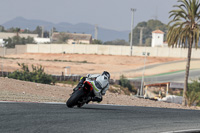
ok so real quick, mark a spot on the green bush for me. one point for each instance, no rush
(193, 93)
(37, 75)
(124, 82)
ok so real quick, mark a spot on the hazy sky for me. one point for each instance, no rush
(111, 14)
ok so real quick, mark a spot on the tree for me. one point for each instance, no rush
(184, 31)
(62, 38)
(116, 42)
(2, 29)
(11, 42)
(17, 30)
(150, 26)
(95, 41)
(38, 31)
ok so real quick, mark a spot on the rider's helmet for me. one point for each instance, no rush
(102, 80)
(107, 74)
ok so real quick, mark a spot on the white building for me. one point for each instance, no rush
(73, 38)
(6, 35)
(157, 39)
(39, 40)
(1, 42)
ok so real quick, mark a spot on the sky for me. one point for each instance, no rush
(110, 14)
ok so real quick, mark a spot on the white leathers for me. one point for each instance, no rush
(100, 84)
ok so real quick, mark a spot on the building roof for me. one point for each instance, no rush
(73, 36)
(5, 35)
(158, 31)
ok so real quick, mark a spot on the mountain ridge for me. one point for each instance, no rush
(103, 33)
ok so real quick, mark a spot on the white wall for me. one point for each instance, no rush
(110, 50)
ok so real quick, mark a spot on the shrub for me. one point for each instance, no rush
(37, 75)
(124, 82)
(193, 93)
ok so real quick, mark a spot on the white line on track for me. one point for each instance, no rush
(184, 131)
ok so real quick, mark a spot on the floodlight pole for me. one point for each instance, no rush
(142, 82)
(131, 41)
(2, 63)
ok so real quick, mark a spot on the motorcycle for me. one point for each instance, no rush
(80, 96)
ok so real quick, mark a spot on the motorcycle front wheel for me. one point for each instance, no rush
(73, 100)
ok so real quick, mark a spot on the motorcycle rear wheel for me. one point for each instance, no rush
(73, 100)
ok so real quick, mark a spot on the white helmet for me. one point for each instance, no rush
(101, 81)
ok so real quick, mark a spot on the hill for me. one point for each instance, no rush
(103, 34)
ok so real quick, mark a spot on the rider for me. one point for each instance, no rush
(99, 82)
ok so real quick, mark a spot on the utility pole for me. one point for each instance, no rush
(156, 14)
(96, 31)
(2, 63)
(142, 82)
(141, 34)
(131, 41)
(42, 34)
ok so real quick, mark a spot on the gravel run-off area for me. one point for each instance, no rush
(22, 91)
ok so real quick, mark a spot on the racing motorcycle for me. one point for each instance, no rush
(81, 95)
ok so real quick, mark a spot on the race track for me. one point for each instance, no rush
(57, 118)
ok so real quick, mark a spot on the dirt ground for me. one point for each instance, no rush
(82, 64)
(21, 91)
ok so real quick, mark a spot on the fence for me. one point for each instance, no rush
(57, 77)
(4, 74)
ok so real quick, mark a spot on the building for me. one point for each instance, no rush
(167, 88)
(72, 38)
(40, 40)
(5, 35)
(157, 39)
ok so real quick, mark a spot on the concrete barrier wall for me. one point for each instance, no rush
(100, 49)
(110, 50)
(19, 49)
(2, 51)
(10, 51)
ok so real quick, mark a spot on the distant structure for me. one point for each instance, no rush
(96, 32)
(6, 35)
(73, 38)
(157, 39)
(40, 40)
(141, 34)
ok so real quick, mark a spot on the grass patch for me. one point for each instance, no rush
(9, 58)
(56, 60)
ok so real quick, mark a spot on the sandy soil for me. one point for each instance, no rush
(83, 64)
(14, 90)
(21, 91)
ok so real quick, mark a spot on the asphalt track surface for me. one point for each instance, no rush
(57, 118)
(160, 64)
(171, 77)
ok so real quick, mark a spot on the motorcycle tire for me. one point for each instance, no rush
(73, 100)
